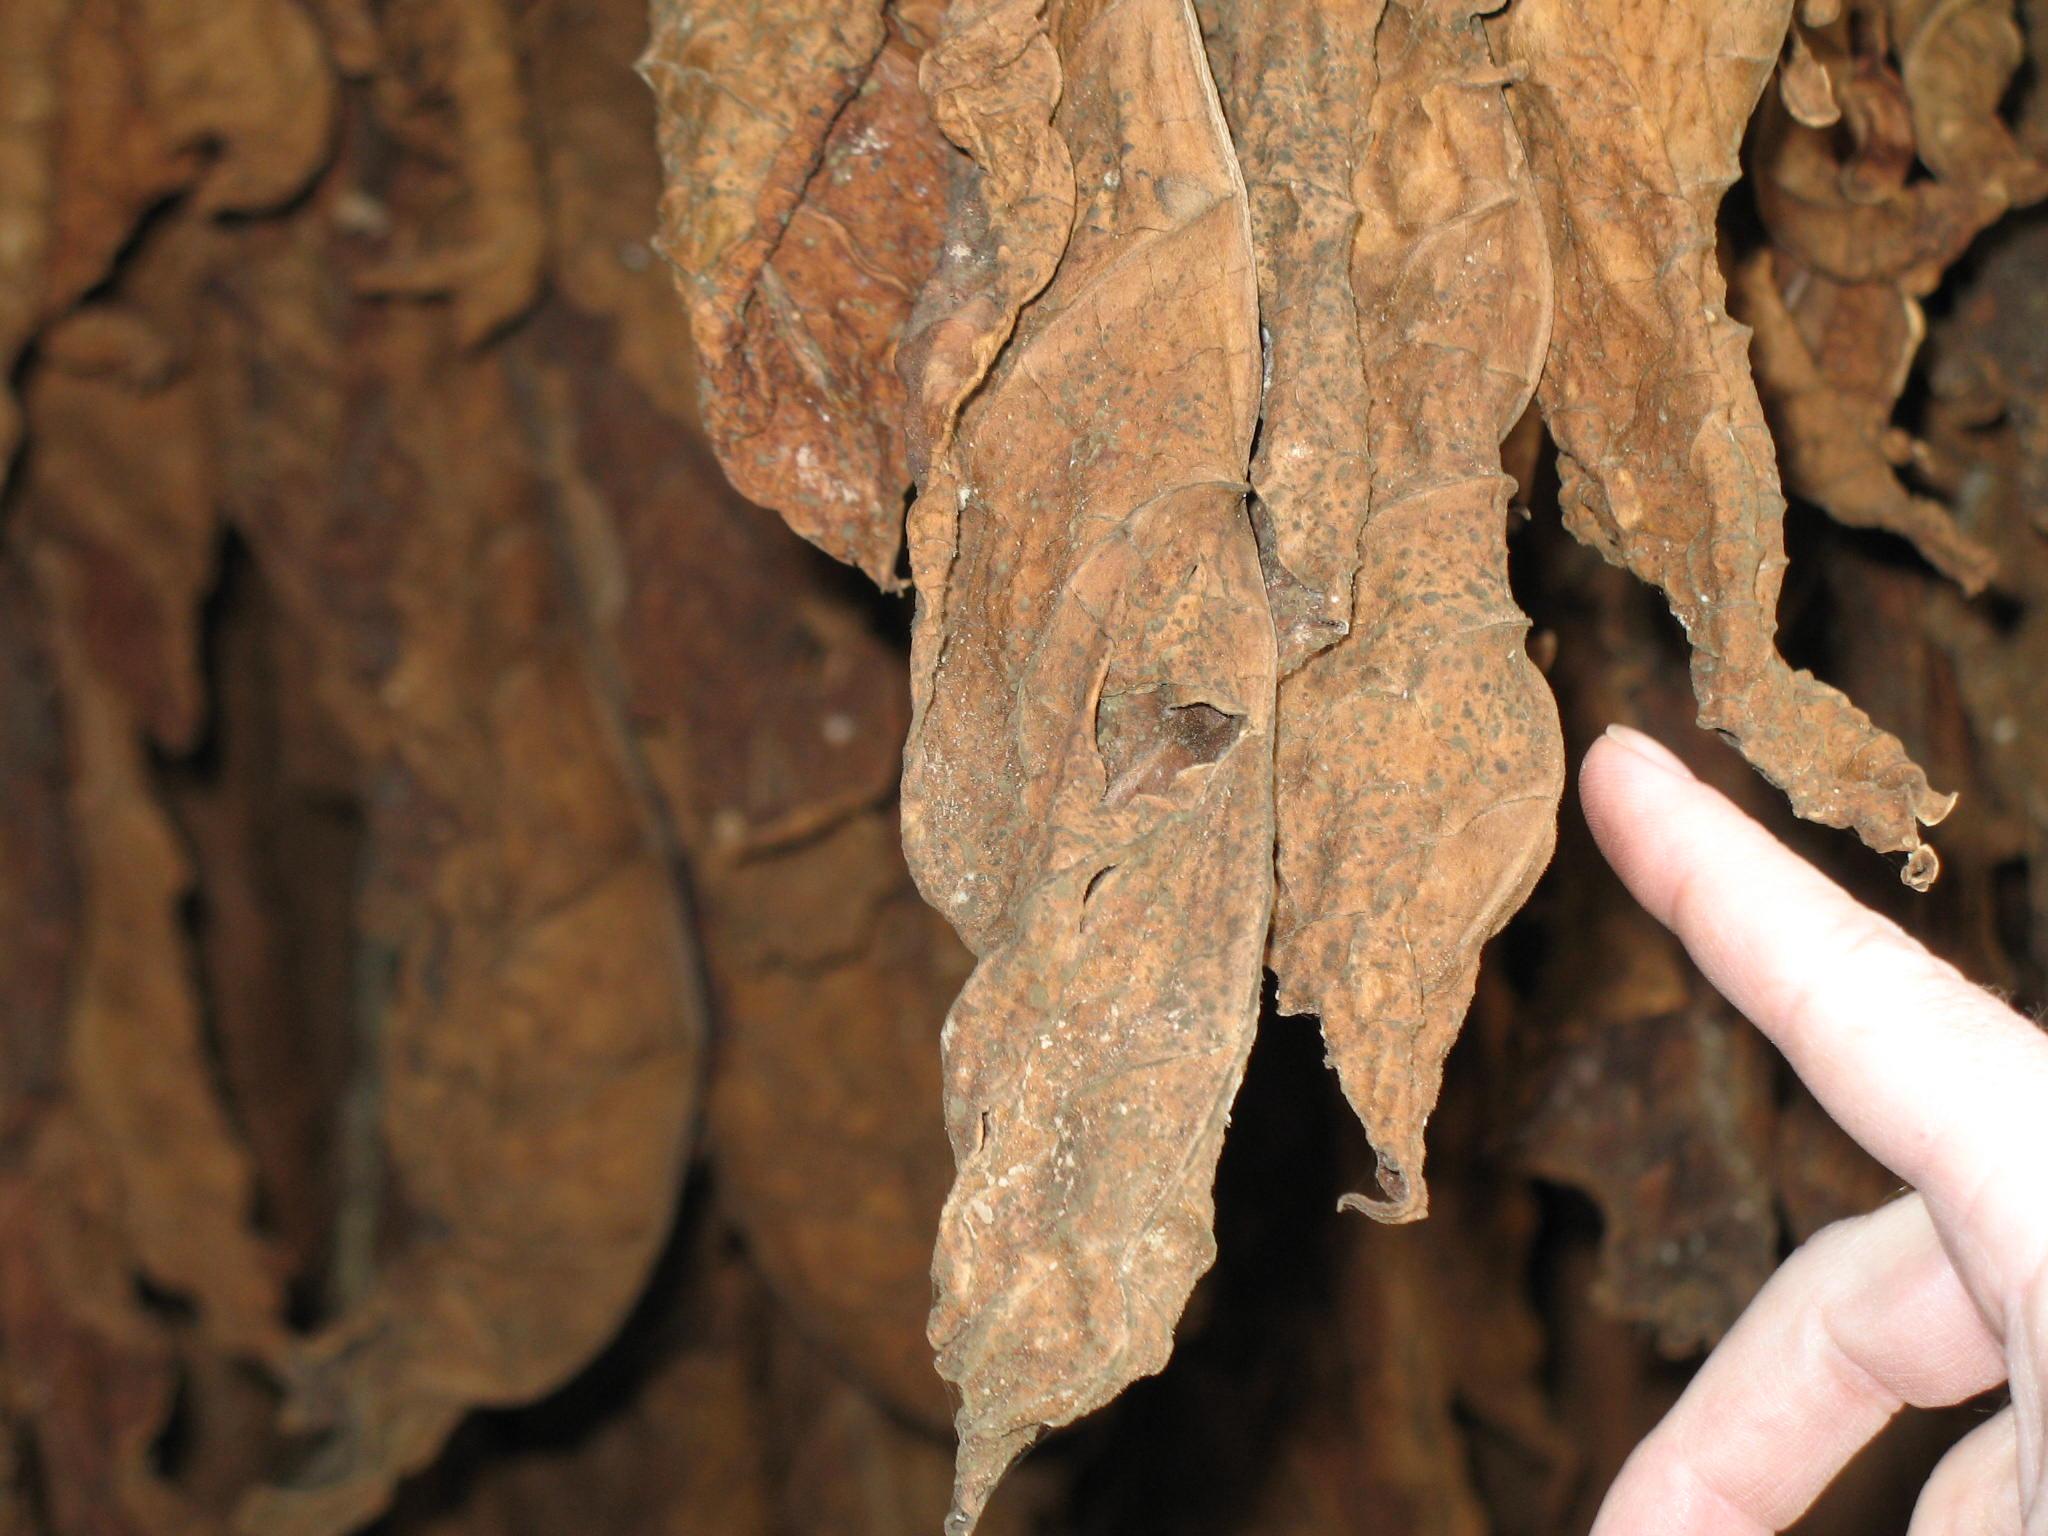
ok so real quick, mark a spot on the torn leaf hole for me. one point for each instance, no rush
(1146, 742)
(1093, 887)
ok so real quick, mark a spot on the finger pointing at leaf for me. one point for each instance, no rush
(1926, 1302)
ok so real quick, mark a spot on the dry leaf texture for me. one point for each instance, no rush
(807, 185)
(1087, 785)
(1419, 762)
(1296, 79)
(463, 55)
(1831, 371)
(534, 1043)
(1632, 117)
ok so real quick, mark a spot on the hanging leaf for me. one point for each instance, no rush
(1087, 790)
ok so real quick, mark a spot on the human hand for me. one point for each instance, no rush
(1938, 1296)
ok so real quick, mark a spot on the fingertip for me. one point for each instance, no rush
(1625, 782)
(1646, 748)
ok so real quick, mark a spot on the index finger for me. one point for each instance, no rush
(1938, 1080)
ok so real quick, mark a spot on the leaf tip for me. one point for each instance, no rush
(1404, 1199)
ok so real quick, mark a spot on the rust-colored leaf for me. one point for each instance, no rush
(247, 83)
(1297, 80)
(807, 186)
(1831, 362)
(832, 977)
(120, 527)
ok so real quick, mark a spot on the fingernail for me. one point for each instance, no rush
(1648, 749)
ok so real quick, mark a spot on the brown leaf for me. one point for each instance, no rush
(832, 977)
(533, 1004)
(121, 524)
(1419, 762)
(1297, 80)
(1633, 121)
(1842, 205)
(246, 81)
(39, 896)
(89, 1378)
(1958, 61)
(1087, 786)
(993, 79)
(31, 53)
(1831, 362)
(806, 192)
(465, 55)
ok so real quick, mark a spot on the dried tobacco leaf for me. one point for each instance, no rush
(461, 53)
(806, 192)
(1419, 762)
(1087, 785)
(31, 107)
(533, 1014)
(1958, 61)
(271, 796)
(1831, 361)
(832, 977)
(687, 1449)
(87, 1379)
(39, 897)
(1633, 118)
(1296, 79)
(1646, 1090)
(119, 523)
(763, 706)
(1859, 242)
(993, 79)
(1844, 204)
(247, 83)
(600, 173)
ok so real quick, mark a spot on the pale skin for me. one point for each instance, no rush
(1935, 1298)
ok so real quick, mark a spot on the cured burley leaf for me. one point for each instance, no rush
(528, 1011)
(1419, 762)
(31, 53)
(807, 187)
(746, 93)
(1296, 79)
(1958, 62)
(992, 78)
(1633, 116)
(1644, 1088)
(1831, 360)
(119, 524)
(1856, 245)
(1087, 788)
(831, 978)
(461, 60)
(246, 84)
(90, 1379)
(1844, 202)
(770, 716)
(39, 876)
